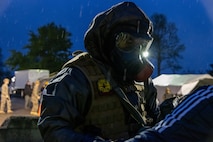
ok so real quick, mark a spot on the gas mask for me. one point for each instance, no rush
(128, 57)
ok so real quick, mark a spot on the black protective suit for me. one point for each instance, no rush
(76, 109)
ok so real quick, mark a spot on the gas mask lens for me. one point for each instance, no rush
(127, 42)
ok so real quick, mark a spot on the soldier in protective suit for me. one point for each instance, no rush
(95, 96)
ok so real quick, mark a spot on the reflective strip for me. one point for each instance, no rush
(188, 104)
(61, 75)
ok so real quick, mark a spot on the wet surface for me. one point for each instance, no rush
(17, 108)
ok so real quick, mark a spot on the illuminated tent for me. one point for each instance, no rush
(180, 84)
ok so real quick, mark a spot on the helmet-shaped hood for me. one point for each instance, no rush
(125, 16)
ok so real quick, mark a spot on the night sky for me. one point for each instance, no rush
(193, 18)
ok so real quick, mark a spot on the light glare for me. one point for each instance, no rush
(145, 54)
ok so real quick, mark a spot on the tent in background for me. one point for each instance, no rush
(180, 84)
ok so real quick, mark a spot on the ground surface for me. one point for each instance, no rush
(18, 109)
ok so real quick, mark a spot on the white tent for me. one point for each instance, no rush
(180, 83)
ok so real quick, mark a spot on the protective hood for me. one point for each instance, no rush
(125, 16)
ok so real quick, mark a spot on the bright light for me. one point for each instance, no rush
(13, 79)
(145, 54)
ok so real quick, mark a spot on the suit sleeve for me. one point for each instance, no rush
(190, 121)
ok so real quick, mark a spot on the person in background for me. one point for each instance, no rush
(168, 94)
(5, 97)
(42, 88)
(27, 95)
(98, 95)
(44, 85)
(35, 98)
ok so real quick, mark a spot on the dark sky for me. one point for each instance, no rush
(193, 18)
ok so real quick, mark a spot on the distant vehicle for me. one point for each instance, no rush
(22, 76)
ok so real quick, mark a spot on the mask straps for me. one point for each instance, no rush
(122, 96)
